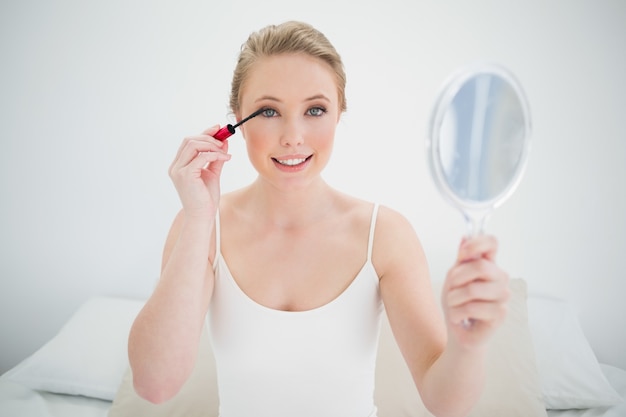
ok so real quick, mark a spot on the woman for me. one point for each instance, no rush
(292, 275)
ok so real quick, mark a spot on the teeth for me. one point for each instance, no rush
(291, 162)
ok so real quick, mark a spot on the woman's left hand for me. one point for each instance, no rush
(476, 293)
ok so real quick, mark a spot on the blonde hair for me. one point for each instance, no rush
(288, 37)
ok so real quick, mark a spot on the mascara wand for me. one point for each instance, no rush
(229, 130)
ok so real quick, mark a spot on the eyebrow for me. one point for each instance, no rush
(272, 98)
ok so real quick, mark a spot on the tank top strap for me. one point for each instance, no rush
(370, 242)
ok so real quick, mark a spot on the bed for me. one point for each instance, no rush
(539, 364)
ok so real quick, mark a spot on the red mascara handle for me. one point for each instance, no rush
(225, 132)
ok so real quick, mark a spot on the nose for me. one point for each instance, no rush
(292, 134)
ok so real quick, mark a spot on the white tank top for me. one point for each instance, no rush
(314, 363)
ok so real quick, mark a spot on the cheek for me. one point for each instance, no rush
(325, 131)
(256, 143)
(258, 137)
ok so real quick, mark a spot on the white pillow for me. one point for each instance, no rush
(89, 354)
(512, 386)
(569, 372)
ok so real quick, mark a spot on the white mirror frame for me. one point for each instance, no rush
(475, 212)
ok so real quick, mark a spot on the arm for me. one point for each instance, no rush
(446, 359)
(164, 338)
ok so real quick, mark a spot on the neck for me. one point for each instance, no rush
(291, 208)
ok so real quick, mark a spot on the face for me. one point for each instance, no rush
(291, 141)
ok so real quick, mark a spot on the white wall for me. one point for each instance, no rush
(95, 97)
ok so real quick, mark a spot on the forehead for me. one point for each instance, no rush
(289, 76)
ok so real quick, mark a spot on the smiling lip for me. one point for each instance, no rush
(292, 163)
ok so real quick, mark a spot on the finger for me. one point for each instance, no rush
(224, 145)
(483, 311)
(201, 156)
(201, 162)
(199, 139)
(478, 269)
(478, 291)
(207, 135)
(212, 161)
(219, 164)
(211, 131)
(483, 246)
(192, 147)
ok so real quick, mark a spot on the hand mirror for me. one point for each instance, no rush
(479, 140)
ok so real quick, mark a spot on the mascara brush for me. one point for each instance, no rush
(229, 130)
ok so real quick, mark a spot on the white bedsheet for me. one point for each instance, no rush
(19, 401)
(617, 378)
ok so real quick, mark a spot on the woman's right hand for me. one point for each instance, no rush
(196, 172)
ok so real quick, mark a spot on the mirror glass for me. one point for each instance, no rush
(479, 139)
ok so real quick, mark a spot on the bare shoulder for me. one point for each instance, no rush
(396, 244)
(394, 231)
(357, 209)
(392, 228)
(393, 221)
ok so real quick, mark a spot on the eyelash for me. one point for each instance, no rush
(321, 109)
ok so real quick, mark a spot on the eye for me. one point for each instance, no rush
(316, 111)
(269, 112)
